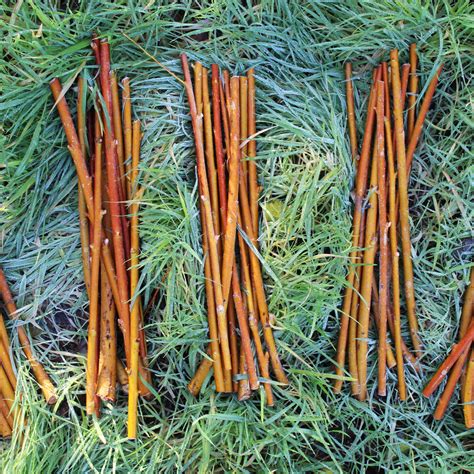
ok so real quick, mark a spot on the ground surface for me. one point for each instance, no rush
(298, 50)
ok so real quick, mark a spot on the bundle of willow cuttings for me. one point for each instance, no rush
(460, 362)
(224, 125)
(105, 147)
(9, 411)
(380, 211)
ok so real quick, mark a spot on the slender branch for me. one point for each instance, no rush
(412, 90)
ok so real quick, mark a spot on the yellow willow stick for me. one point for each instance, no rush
(42, 377)
(412, 90)
(383, 263)
(468, 393)
(360, 191)
(352, 336)
(107, 381)
(397, 333)
(233, 189)
(127, 130)
(8, 395)
(7, 364)
(83, 221)
(403, 204)
(5, 411)
(196, 120)
(351, 120)
(93, 329)
(252, 151)
(366, 283)
(135, 312)
(118, 131)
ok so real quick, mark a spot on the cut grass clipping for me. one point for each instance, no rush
(298, 51)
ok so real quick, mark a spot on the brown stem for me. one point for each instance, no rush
(244, 384)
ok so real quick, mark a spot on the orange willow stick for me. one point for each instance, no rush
(113, 181)
(405, 79)
(244, 385)
(127, 130)
(242, 317)
(366, 284)
(233, 189)
(351, 120)
(44, 381)
(417, 128)
(93, 330)
(455, 353)
(396, 329)
(412, 91)
(403, 204)
(383, 258)
(106, 384)
(252, 319)
(135, 312)
(216, 116)
(457, 370)
(74, 145)
(5, 429)
(352, 336)
(391, 361)
(361, 187)
(252, 151)
(83, 221)
(194, 386)
(257, 281)
(7, 364)
(209, 152)
(118, 131)
(205, 199)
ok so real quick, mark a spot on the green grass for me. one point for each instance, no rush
(298, 49)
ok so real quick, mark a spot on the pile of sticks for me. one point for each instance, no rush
(9, 412)
(224, 126)
(460, 362)
(105, 148)
(381, 208)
